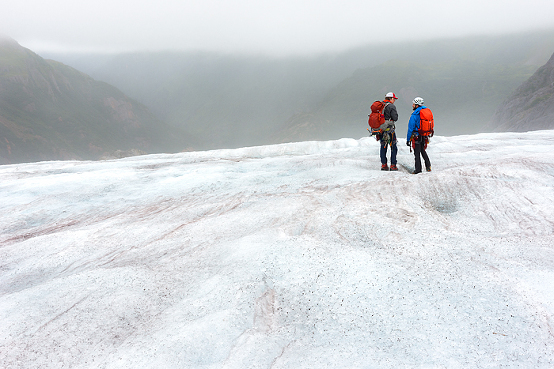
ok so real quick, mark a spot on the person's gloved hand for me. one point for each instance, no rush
(407, 143)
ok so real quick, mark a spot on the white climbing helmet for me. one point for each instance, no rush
(418, 101)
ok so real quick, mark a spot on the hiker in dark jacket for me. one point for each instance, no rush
(387, 135)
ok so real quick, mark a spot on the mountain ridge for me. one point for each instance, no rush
(531, 105)
(50, 111)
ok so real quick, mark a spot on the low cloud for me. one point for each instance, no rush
(284, 27)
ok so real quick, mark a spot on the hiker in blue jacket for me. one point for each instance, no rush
(419, 142)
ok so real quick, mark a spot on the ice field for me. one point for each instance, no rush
(301, 255)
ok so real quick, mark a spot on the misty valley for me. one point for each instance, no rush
(94, 106)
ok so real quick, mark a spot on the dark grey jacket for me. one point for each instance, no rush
(390, 112)
(391, 116)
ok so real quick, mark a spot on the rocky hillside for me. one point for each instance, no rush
(49, 111)
(531, 106)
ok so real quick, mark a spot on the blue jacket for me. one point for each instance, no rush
(413, 124)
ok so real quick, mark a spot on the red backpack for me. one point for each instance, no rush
(426, 123)
(376, 118)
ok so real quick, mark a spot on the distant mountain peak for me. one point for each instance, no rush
(4, 39)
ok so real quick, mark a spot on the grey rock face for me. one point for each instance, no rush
(531, 107)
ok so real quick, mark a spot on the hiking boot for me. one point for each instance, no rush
(428, 169)
(384, 167)
(393, 167)
(416, 171)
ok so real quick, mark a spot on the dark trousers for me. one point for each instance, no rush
(419, 149)
(385, 141)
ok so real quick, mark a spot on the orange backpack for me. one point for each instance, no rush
(426, 123)
(376, 118)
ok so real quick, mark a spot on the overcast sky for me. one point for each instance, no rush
(281, 27)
